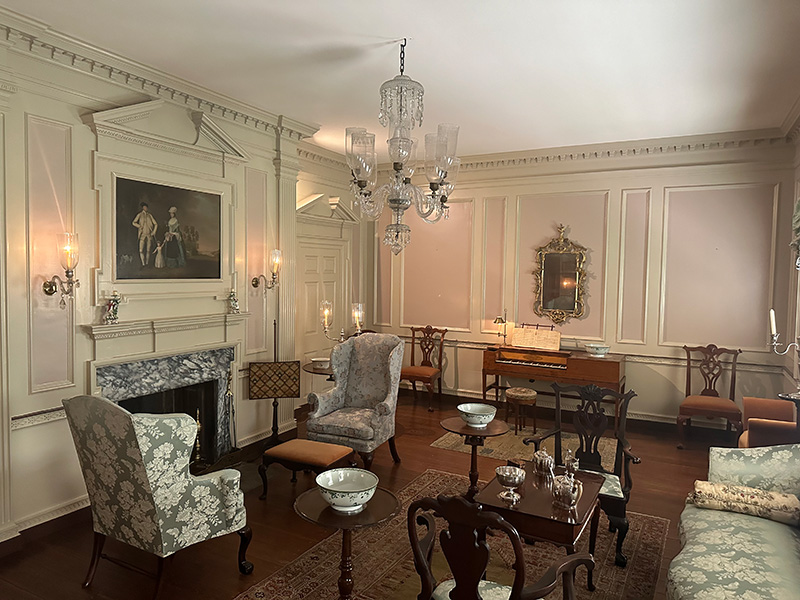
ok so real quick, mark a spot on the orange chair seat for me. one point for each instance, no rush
(419, 373)
(710, 405)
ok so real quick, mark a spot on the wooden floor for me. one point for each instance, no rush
(52, 560)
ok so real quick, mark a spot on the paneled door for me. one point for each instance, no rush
(323, 269)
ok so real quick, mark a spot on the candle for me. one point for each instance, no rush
(773, 329)
(327, 312)
(276, 261)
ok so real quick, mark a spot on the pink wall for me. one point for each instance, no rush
(437, 270)
(49, 214)
(257, 252)
(584, 215)
(633, 265)
(716, 281)
(494, 244)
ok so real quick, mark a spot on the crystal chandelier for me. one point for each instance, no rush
(401, 110)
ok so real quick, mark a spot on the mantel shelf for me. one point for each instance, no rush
(101, 331)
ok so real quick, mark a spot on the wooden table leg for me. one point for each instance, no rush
(473, 441)
(346, 566)
(592, 540)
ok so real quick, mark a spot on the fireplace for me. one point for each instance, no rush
(190, 382)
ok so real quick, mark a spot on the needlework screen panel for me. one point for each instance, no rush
(274, 379)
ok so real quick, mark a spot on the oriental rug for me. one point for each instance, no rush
(510, 446)
(384, 569)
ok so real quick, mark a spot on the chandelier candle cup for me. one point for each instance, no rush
(348, 489)
(476, 415)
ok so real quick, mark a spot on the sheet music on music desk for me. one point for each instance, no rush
(529, 337)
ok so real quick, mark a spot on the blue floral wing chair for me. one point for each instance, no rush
(136, 469)
(359, 411)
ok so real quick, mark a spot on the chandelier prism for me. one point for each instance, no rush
(401, 110)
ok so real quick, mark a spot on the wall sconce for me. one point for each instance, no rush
(275, 259)
(68, 251)
(498, 320)
(358, 317)
(326, 317)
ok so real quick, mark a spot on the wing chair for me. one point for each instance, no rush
(464, 543)
(136, 469)
(359, 411)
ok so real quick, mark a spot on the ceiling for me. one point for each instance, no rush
(516, 75)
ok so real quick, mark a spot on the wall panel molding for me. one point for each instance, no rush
(629, 252)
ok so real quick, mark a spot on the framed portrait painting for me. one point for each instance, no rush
(166, 232)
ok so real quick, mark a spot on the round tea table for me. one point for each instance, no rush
(474, 436)
(314, 508)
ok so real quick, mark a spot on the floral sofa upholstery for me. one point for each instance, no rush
(359, 411)
(136, 469)
(728, 555)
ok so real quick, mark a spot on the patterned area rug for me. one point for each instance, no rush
(384, 569)
(510, 446)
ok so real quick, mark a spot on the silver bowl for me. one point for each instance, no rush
(510, 478)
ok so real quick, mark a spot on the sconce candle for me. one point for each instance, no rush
(358, 316)
(69, 250)
(275, 260)
(326, 313)
(68, 254)
(773, 329)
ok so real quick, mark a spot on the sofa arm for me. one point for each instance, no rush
(771, 468)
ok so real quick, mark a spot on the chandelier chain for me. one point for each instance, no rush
(403, 56)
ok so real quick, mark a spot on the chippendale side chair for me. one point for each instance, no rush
(591, 422)
(708, 403)
(464, 544)
(431, 341)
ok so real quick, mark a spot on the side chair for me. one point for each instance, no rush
(136, 469)
(427, 372)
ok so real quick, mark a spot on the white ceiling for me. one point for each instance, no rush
(515, 74)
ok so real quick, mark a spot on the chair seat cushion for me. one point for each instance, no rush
(308, 452)
(711, 405)
(611, 486)
(521, 395)
(488, 590)
(345, 422)
(419, 372)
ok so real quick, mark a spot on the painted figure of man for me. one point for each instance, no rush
(147, 226)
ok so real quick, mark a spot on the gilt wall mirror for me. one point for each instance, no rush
(560, 279)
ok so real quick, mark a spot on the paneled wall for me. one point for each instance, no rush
(77, 120)
(687, 244)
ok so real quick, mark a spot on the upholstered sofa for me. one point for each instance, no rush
(728, 555)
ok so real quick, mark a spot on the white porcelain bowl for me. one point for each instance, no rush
(347, 489)
(476, 415)
(598, 350)
(321, 362)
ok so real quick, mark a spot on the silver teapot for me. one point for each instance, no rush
(543, 463)
(567, 491)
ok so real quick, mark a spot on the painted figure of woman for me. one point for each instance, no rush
(176, 253)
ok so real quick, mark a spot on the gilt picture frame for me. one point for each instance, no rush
(166, 232)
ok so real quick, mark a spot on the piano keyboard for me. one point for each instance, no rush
(527, 363)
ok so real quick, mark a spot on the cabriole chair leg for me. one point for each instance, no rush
(245, 535)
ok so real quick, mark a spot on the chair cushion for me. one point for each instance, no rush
(611, 486)
(773, 468)
(488, 590)
(308, 452)
(345, 422)
(711, 405)
(521, 395)
(419, 372)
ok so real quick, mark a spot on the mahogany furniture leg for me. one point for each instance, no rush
(159, 576)
(592, 542)
(262, 470)
(367, 458)
(430, 396)
(621, 525)
(473, 465)
(346, 566)
(245, 535)
(97, 550)
(393, 450)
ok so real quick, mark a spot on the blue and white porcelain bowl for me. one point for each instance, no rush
(347, 489)
(476, 415)
(598, 350)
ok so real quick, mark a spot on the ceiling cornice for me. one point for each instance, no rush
(73, 54)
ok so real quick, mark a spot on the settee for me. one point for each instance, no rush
(729, 555)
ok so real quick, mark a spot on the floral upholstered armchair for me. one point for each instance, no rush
(136, 469)
(359, 411)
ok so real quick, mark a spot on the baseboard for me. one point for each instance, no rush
(53, 513)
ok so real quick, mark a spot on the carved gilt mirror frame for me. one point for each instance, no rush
(559, 279)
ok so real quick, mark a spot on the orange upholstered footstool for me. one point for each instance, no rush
(304, 455)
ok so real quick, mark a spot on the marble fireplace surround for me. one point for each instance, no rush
(122, 381)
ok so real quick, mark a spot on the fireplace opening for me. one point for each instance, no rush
(198, 401)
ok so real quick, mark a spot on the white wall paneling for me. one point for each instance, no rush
(258, 299)
(634, 266)
(494, 256)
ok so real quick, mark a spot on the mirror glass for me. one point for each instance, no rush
(560, 279)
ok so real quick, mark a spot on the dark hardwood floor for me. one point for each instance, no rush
(51, 561)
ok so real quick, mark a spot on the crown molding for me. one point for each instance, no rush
(316, 156)
(60, 49)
